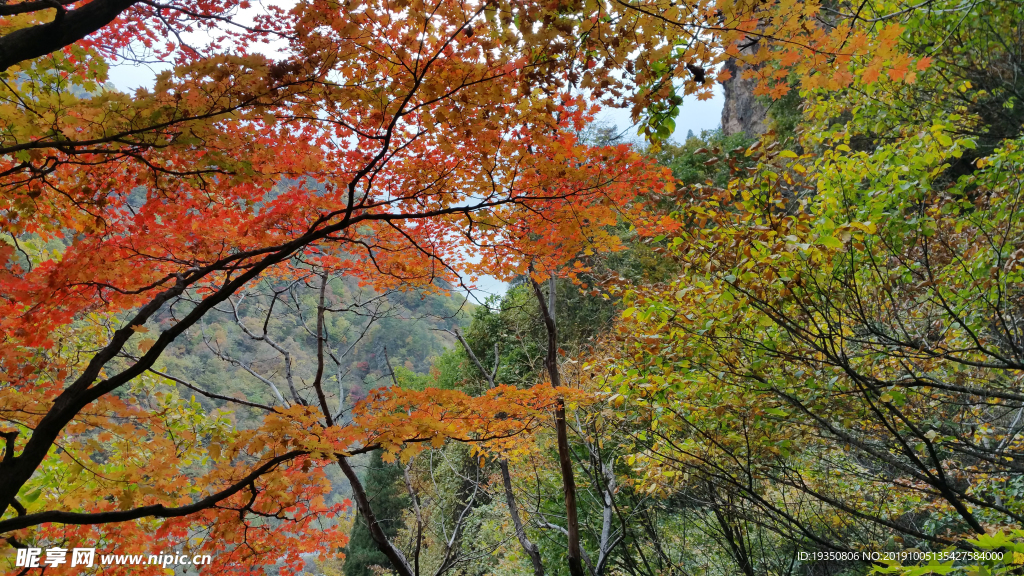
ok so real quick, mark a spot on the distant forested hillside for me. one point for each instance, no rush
(263, 344)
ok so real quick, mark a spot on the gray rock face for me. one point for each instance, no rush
(742, 112)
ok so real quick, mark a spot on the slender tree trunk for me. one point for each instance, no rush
(608, 543)
(419, 516)
(733, 536)
(561, 430)
(384, 544)
(510, 499)
(398, 561)
(321, 337)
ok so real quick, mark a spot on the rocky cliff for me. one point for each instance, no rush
(742, 111)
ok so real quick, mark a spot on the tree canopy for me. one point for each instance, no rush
(715, 356)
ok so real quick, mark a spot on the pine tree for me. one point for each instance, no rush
(388, 499)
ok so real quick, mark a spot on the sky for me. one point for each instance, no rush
(694, 115)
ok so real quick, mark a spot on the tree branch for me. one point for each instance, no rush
(156, 511)
(42, 39)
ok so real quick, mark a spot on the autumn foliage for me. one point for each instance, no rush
(416, 146)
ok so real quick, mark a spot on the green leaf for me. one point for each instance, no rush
(831, 242)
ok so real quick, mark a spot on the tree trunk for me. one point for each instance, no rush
(561, 430)
(398, 561)
(510, 499)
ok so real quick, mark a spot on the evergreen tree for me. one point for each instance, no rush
(389, 499)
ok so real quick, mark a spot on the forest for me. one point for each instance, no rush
(235, 336)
